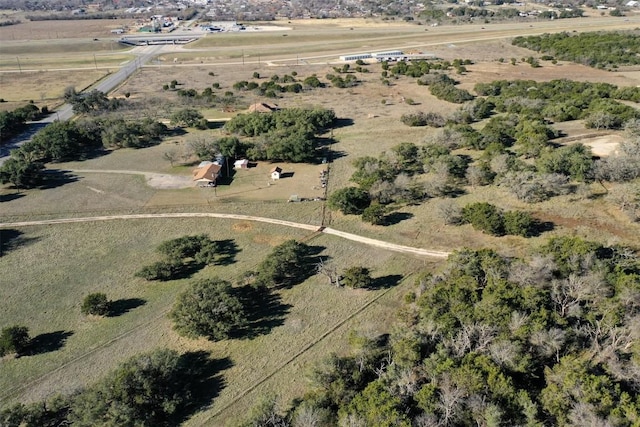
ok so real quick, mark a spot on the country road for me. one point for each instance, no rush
(313, 228)
(65, 112)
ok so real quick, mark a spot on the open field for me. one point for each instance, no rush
(43, 87)
(62, 29)
(51, 268)
(107, 255)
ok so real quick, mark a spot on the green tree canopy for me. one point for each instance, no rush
(96, 304)
(14, 339)
(349, 200)
(208, 308)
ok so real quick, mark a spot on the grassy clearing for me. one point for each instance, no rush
(37, 62)
(61, 48)
(45, 86)
(40, 274)
(61, 30)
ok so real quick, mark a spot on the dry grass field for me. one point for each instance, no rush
(52, 267)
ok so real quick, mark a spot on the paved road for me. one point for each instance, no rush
(65, 112)
(313, 228)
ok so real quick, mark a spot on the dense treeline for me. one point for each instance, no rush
(563, 100)
(596, 49)
(467, 13)
(491, 340)
(13, 122)
(159, 388)
(75, 140)
(286, 135)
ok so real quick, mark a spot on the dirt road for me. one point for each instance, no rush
(313, 228)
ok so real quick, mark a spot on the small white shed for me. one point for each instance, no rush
(276, 172)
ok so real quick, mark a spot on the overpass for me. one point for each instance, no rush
(158, 40)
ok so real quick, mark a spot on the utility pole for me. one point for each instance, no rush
(243, 57)
(19, 67)
(95, 62)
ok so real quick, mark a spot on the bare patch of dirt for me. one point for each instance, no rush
(575, 223)
(168, 182)
(605, 145)
(242, 226)
(268, 239)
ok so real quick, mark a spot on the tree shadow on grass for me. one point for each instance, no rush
(396, 217)
(125, 305)
(203, 380)
(539, 227)
(264, 309)
(342, 122)
(227, 250)
(385, 282)
(11, 196)
(45, 343)
(11, 239)
(53, 178)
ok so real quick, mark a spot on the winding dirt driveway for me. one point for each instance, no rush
(313, 228)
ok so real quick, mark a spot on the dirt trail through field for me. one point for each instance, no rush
(313, 228)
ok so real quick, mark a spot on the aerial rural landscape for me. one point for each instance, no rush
(319, 213)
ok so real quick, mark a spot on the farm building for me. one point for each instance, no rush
(207, 174)
(241, 164)
(355, 57)
(276, 172)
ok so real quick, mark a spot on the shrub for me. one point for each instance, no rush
(161, 270)
(485, 217)
(14, 339)
(374, 214)
(518, 223)
(357, 277)
(349, 200)
(96, 304)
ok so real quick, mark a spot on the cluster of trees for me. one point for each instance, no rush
(13, 122)
(407, 174)
(93, 102)
(189, 117)
(440, 85)
(217, 310)
(159, 388)
(492, 340)
(273, 86)
(186, 254)
(283, 135)
(609, 49)
(492, 220)
(75, 140)
(563, 100)
(349, 80)
(191, 97)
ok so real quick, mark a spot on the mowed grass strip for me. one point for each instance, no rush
(37, 62)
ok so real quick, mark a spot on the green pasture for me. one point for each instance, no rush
(47, 47)
(26, 62)
(51, 268)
